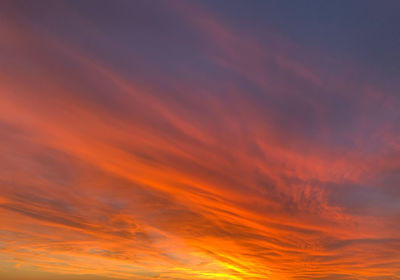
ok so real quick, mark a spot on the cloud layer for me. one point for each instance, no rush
(168, 141)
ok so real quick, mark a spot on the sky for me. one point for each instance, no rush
(175, 140)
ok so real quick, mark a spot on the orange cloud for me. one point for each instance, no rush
(104, 174)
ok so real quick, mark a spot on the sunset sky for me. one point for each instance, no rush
(199, 140)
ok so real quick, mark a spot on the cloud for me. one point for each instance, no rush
(241, 161)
